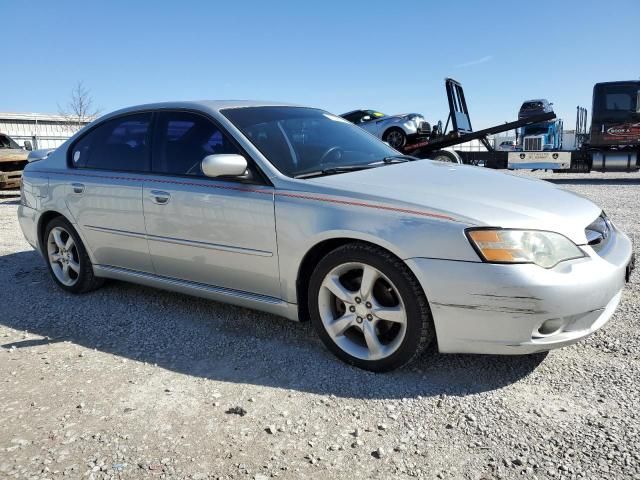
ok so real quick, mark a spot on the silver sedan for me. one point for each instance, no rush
(298, 212)
(396, 130)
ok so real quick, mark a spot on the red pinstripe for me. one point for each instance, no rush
(301, 196)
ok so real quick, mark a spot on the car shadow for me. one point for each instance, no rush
(211, 340)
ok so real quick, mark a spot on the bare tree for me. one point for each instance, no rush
(79, 110)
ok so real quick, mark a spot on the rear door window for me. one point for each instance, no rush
(183, 139)
(119, 144)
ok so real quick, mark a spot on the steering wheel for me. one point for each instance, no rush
(331, 150)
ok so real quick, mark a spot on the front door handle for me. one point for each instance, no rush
(77, 187)
(160, 197)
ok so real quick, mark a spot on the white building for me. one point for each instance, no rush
(41, 129)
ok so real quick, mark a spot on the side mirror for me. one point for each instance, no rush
(221, 165)
(27, 145)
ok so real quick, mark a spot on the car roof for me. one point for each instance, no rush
(620, 82)
(360, 110)
(215, 105)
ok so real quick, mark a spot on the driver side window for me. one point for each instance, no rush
(182, 140)
(366, 117)
(355, 117)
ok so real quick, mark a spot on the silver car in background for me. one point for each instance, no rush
(297, 212)
(396, 130)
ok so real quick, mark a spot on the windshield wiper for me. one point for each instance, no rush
(399, 159)
(335, 170)
(352, 168)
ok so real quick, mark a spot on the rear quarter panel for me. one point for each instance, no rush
(45, 185)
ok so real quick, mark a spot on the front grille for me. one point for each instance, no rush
(533, 144)
(599, 232)
(424, 127)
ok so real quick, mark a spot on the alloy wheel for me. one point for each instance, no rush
(395, 139)
(362, 311)
(63, 256)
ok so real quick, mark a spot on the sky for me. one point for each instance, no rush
(337, 55)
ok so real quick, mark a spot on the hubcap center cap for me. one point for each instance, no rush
(362, 310)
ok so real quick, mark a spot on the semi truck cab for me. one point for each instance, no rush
(615, 117)
(541, 136)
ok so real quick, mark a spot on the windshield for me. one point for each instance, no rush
(7, 142)
(616, 102)
(299, 140)
(536, 130)
(531, 106)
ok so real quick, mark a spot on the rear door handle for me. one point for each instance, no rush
(160, 197)
(77, 187)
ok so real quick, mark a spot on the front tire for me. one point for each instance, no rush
(368, 308)
(67, 258)
(395, 137)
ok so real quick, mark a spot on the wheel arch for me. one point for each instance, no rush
(311, 259)
(48, 215)
(394, 127)
(43, 221)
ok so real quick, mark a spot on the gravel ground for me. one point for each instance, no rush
(130, 382)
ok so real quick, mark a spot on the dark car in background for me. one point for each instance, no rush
(535, 107)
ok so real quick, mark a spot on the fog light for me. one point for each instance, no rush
(550, 327)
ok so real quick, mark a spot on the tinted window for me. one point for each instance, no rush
(183, 139)
(353, 117)
(7, 142)
(531, 106)
(375, 114)
(118, 144)
(300, 140)
(615, 102)
(619, 101)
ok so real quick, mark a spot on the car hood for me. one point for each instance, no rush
(471, 195)
(398, 116)
(13, 155)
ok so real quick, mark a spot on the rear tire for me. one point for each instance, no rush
(67, 258)
(445, 156)
(368, 308)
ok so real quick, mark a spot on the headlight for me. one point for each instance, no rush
(545, 249)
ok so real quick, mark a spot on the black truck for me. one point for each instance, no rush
(610, 143)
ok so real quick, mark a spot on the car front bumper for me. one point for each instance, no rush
(518, 309)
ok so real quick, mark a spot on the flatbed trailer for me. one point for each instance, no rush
(595, 153)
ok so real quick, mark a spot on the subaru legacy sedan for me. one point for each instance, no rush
(297, 212)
